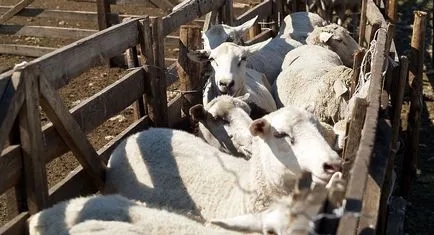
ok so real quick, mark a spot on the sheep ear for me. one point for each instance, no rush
(243, 28)
(197, 112)
(259, 127)
(243, 223)
(199, 56)
(309, 107)
(324, 37)
(245, 97)
(252, 49)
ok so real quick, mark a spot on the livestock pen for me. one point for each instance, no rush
(27, 147)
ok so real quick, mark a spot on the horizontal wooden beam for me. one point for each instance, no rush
(10, 167)
(262, 10)
(62, 65)
(14, 10)
(77, 183)
(46, 31)
(59, 14)
(98, 108)
(24, 50)
(16, 226)
(264, 35)
(187, 13)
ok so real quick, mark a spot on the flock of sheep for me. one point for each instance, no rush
(270, 110)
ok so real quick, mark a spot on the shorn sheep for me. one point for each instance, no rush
(230, 76)
(337, 39)
(224, 123)
(117, 215)
(269, 59)
(112, 214)
(314, 75)
(177, 170)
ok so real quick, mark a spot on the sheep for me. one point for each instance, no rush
(337, 39)
(175, 169)
(112, 214)
(268, 60)
(230, 76)
(299, 25)
(224, 123)
(314, 75)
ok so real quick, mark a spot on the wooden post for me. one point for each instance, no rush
(254, 31)
(227, 11)
(133, 62)
(374, 28)
(158, 102)
(358, 58)
(14, 10)
(189, 72)
(392, 10)
(103, 8)
(363, 20)
(416, 89)
(210, 19)
(31, 144)
(354, 135)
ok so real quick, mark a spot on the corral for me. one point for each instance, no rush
(36, 83)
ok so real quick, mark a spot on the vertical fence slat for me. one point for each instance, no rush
(354, 135)
(189, 72)
(158, 101)
(103, 9)
(31, 144)
(363, 20)
(416, 89)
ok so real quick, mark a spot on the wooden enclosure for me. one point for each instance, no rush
(27, 147)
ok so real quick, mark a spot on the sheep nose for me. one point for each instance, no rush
(332, 167)
(226, 83)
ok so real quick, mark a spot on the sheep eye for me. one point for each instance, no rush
(241, 61)
(280, 135)
(271, 232)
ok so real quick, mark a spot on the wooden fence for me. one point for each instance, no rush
(22, 162)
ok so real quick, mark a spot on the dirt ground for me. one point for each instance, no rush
(420, 210)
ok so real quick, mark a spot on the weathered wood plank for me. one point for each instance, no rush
(14, 10)
(264, 35)
(96, 109)
(353, 136)
(162, 4)
(359, 175)
(24, 50)
(174, 111)
(71, 133)
(190, 72)
(374, 198)
(262, 10)
(60, 14)
(187, 13)
(77, 182)
(16, 225)
(10, 105)
(45, 31)
(157, 109)
(363, 21)
(209, 20)
(103, 11)
(93, 50)
(10, 167)
(31, 144)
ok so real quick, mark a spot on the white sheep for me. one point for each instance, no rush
(337, 39)
(314, 75)
(112, 214)
(177, 170)
(268, 60)
(230, 76)
(224, 123)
